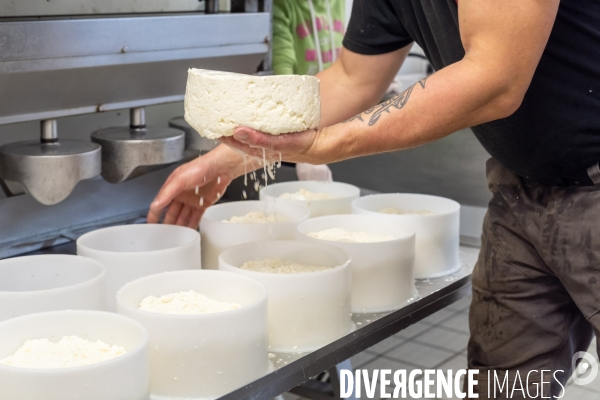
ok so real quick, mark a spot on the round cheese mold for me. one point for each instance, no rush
(340, 201)
(437, 234)
(100, 381)
(218, 235)
(133, 251)
(50, 282)
(306, 311)
(382, 270)
(202, 355)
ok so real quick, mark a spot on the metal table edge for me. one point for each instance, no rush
(299, 371)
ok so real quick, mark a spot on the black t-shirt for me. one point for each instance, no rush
(555, 135)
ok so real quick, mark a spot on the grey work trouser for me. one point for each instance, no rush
(536, 285)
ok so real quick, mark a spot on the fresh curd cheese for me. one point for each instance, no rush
(343, 235)
(255, 217)
(306, 195)
(185, 303)
(68, 352)
(279, 266)
(397, 211)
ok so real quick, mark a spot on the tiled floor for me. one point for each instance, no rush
(440, 342)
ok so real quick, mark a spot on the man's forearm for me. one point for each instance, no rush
(459, 96)
(335, 85)
(503, 44)
(356, 82)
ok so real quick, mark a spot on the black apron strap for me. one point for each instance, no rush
(594, 174)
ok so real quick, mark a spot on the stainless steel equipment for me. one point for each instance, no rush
(56, 67)
(49, 169)
(66, 59)
(130, 152)
(212, 6)
(193, 140)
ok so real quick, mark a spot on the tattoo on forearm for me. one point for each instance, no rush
(398, 102)
(358, 117)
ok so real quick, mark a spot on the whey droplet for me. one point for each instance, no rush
(265, 167)
(196, 190)
(201, 201)
(245, 171)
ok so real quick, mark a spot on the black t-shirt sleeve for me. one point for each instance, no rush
(374, 28)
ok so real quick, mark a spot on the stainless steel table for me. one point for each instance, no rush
(291, 370)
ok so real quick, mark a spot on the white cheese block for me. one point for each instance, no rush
(185, 303)
(68, 352)
(343, 235)
(279, 266)
(217, 102)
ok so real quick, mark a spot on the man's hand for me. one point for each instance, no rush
(293, 147)
(211, 174)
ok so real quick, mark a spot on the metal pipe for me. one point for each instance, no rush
(49, 131)
(137, 117)
(211, 7)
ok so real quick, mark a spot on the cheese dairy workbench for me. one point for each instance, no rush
(293, 369)
(311, 334)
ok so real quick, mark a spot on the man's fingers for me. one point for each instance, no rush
(288, 143)
(169, 190)
(173, 213)
(181, 179)
(233, 143)
(184, 215)
(167, 193)
(194, 219)
(153, 216)
(253, 138)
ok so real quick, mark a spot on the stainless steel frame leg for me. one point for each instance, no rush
(318, 390)
(335, 378)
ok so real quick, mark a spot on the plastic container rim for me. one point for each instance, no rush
(94, 279)
(90, 234)
(435, 214)
(329, 247)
